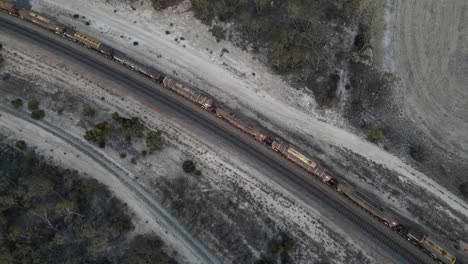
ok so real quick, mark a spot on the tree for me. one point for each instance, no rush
(189, 166)
(88, 111)
(17, 103)
(33, 105)
(37, 114)
(145, 249)
(154, 140)
(20, 144)
(376, 133)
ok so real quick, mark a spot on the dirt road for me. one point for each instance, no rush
(431, 48)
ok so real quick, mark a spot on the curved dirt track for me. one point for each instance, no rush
(431, 44)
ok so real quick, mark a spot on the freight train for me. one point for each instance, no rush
(288, 150)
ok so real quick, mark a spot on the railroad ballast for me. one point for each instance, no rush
(207, 102)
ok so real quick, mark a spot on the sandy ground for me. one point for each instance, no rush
(55, 75)
(197, 59)
(431, 44)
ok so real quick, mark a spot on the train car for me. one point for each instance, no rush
(148, 71)
(435, 250)
(242, 123)
(89, 42)
(8, 7)
(190, 93)
(369, 204)
(299, 157)
(42, 20)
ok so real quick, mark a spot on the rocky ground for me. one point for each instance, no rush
(215, 207)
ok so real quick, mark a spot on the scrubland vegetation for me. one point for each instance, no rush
(52, 215)
(126, 127)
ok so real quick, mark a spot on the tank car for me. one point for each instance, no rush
(370, 205)
(42, 20)
(242, 123)
(188, 92)
(8, 7)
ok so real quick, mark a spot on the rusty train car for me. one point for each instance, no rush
(369, 204)
(302, 159)
(189, 92)
(242, 123)
(195, 95)
(8, 7)
(42, 20)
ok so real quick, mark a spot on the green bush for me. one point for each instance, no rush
(37, 114)
(154, 140)
(218, 32)
(17, 103)
(279, 246)
(20, 144)
(189, 166)
(88, 111)
(131, 127)
(163, 4)
(116, 116)
(377, 133)
(98, 133)
(33, 105)
(146, 249)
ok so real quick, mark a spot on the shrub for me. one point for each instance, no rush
(198, 172)
(154, 140)
(37, 114)
(88, 111)
(417, 152)
(376, 133)
(163, 4)
(131, 127)
(218, 32)
(33, 105)
(356, 105)
(144, 153)
(17, 103)
(189, 166)
(116, 116)
(97, 134)
(20, 144)
(464, 189)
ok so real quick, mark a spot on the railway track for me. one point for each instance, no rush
(289, 173)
